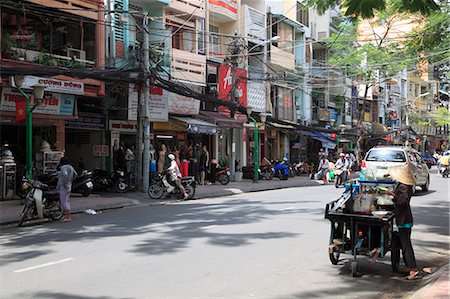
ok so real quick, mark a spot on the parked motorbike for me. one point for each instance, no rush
(220, 174)
(302, 168)
(103, 180)
(281, 171)
(444, 171)
(161, 185)
(41, 202)
(81, 184)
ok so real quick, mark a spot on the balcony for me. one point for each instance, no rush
(84, 8)
(188, 66)
(195, 7)
(223, 11)
(254, 23)
(54, 42)
(281, 59)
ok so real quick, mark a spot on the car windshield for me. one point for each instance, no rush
(386, 155)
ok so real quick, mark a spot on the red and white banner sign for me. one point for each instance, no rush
(225, 83)
(225, 5)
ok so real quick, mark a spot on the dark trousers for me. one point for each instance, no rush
(404, 235)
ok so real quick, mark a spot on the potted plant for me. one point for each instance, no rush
(6, 46)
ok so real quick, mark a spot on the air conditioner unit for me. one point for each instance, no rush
(79, 54)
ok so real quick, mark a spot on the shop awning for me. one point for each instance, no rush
(290, 22)
(281, 126)
(197, 126)
(221, 120)
(326, 141)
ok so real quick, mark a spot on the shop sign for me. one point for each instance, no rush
(52, 103)
(180, 104)
(123, 126)
(324, 114)
(87, 121)
(158, 104)
(53, 85)
(99, 150)
(333, 115)
(172, 125)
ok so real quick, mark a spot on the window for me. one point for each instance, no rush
(302, 14)
(286, 34)
(182, 38)
(381, 155)
(201, 36)
(214, 39)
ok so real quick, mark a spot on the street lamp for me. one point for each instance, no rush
(269, 41)
(262, 117)
(38, 93)
(408, 108)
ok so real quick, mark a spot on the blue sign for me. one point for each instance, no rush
(88, 121)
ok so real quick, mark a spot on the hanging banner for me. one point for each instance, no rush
(158, 104)
(179, 104)
(54, 85)
(225, 87)
(52, 103)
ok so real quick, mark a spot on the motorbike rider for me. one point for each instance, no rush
(175, 175)
(444, 161)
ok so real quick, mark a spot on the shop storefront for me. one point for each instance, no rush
(58, 105)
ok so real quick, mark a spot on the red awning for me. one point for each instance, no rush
(221, 120)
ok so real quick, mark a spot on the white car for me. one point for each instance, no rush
(378, 159)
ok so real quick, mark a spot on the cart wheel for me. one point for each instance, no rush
(395, 252)
(354, 267)
(334, 256)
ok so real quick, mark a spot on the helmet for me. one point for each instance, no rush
(7, 154)
(171, 157)
(447, 153)
(347, 156)
(285, 159)
(341, 155)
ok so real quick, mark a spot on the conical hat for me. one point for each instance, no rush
(402, 174)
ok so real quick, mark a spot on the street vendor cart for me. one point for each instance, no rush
(362, 223)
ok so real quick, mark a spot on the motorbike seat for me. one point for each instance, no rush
(51, 193)
(187, 178)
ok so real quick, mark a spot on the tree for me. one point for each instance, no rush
(441, 117)
(368, 8)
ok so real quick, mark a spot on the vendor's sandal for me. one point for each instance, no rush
(429, 270)
(416, 276)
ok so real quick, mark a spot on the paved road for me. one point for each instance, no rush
(270, 244)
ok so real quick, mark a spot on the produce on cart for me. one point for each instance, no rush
(362, 223)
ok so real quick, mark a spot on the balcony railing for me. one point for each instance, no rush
(84, 8)
(195, 7)
(188, 66)
(48, 59)
(223, 11)
(282, 58)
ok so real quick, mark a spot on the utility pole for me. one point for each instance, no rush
(145, 119)
(234, 51)
(139, 139)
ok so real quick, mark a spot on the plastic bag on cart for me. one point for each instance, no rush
(364, 204)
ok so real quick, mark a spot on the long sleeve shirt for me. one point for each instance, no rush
(174, 170)
(402, 197)
(66, 176)
(324, 164)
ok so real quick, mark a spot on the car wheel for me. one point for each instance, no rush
(427, 185)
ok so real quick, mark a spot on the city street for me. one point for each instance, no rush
(270, 244)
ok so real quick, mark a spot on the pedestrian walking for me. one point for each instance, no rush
(203, 164)
(118, 156)
(323, 168)
(129, 158)
(404, 219)
(66, 176)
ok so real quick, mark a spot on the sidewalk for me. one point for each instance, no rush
(436, 287)
(10, 210)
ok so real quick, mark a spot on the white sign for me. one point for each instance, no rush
(183, 105)
(52, 103)
(55, 85)
(158, 105)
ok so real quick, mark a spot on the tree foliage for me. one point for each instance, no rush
(368, 8)
(441, 116)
